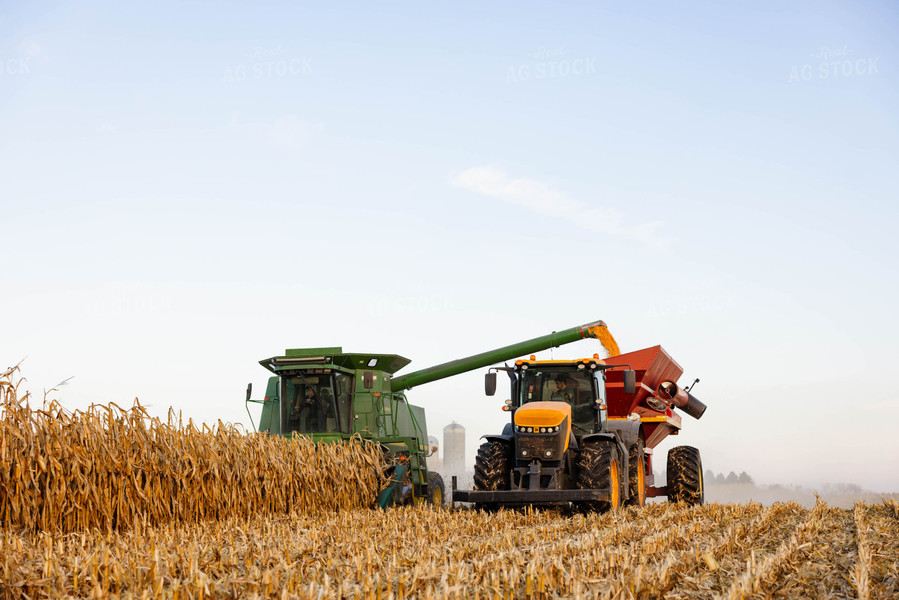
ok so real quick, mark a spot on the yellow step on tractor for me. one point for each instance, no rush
(583, 432)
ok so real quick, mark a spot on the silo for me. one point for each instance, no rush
(453, 450)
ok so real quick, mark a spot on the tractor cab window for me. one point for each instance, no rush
(601, 386)
(572, 387)
(311, 403)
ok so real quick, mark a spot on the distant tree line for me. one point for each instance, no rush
(730, 479)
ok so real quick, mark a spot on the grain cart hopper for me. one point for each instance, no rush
(330, 395)
(583, 431)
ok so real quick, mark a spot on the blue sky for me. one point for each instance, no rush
(186, 188)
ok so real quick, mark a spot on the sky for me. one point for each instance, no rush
(188, 188)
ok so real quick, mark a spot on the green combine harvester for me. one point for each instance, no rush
(330, 396)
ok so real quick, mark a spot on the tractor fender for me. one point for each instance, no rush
(628, 430)
(498, 438)
(605, 436)
(507, 435)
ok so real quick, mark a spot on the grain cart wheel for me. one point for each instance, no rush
(436, 489)
(636, 475)
(685, 476)
(597, 468)
(492, 468)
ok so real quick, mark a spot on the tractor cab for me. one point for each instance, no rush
(581, 389)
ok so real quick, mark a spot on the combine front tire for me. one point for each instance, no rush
(636, 475)
(436, 489)
(597, 468)
(685, 476)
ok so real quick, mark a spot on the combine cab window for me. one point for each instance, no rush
(574, 387)
(311, 404)
(344, 401)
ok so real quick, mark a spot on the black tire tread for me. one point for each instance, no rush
(492, 467)
(594, 472)
(636, 455)
(436, 481)
(684, 475)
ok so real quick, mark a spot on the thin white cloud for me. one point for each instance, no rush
(545, 200)
(287, 133)
(29, 48)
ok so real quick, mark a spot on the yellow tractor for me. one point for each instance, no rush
(583, 431)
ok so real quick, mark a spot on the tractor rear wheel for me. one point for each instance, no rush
(636, 475)
(436, 489)
(685, 476)
(597, 468)
(492, 468)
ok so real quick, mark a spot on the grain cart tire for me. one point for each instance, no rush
(636, 475)
(598, 468)
(492, 468)
(685, 482)
(436, 489)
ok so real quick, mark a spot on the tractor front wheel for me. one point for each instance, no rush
(597, 468)
(492, 468)
(436, 489)
(685, 476)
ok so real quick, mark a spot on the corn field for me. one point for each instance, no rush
(662, 550)
(109, 468)
(112, 503)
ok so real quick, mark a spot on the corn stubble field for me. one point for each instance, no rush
(113, 503)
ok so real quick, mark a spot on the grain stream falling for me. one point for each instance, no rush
(110, 468)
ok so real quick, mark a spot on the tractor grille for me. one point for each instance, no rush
(535, 446)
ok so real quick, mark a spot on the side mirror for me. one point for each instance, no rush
(490, 383)
(368, 380)
(249, 391)
(630, 382)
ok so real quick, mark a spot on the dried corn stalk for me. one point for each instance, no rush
(110, 468)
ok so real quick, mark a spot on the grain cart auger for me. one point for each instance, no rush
(330, 395)
(583, 431)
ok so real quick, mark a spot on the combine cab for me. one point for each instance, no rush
(583, 431)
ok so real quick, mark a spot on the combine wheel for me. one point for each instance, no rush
(597, 468)
(492, 468)
(636, 475)
(436, 489)
(685, 476)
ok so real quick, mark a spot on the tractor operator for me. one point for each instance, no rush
(581, 410)
(563, 392)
